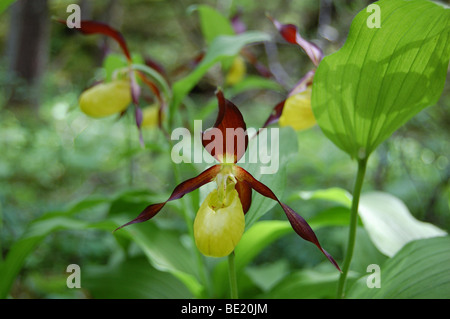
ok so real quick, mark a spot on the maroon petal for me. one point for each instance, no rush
(94, 27)
(179, 191)
(231, 127)
(290, 33)
(245, 195)
(276, 114)
(297, 222)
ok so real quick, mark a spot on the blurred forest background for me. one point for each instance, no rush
(53, 155)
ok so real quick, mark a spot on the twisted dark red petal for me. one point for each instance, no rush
(290, 33)
(179, 191)
(276, 114)
(297, 222)
(245, 195)
(95, 27)
(231, 125)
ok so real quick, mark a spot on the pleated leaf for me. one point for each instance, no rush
(384, 76)
(420, 270)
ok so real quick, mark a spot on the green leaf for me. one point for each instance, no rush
(420, 270)
(252, 82)
(5, 4)
(389, 223)
(212, 22)
(306, 284)
(268, 275)
(165, 251)
(221, 48)
(134, 278)
(334, 216)
(386, 218)
(36, 232)
(113, 62)
(164, 247)
(334, 194)
(382, 77)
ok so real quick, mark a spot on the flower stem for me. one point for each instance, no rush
(232, 276)
(362, 163)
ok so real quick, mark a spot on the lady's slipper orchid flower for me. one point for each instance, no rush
(295, 110)
(106, 99)
(114, 97)
(220, 221)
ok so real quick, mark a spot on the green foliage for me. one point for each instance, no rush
(133, 278)
(418, 271)
(390, 224)
(212, 23)
(364, 92)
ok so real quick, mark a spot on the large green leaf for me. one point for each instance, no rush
(382, 76)
(306, 284)
(134, 278)
(212, 22)
(385, 217)
(420, 270)
(166, 252)
(389, 223)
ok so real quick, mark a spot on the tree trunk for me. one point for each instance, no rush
(27, 50)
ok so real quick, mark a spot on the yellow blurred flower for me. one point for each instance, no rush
(297, 111)
(106, 99)
(150, 116)
(236, 72)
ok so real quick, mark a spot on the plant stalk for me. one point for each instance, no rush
(232, 276)
(362, 163)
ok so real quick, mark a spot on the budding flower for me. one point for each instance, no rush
(297, 111)
(106, 99)
(220, 223)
